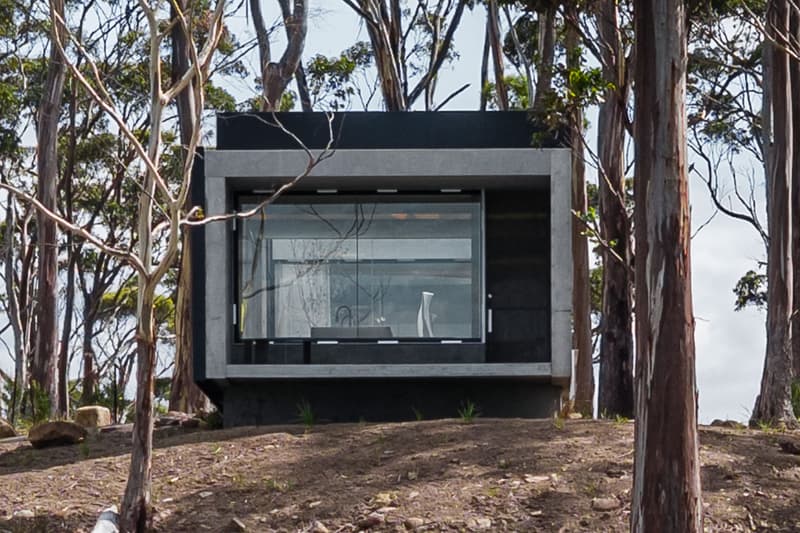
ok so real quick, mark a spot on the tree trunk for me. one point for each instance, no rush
(387, 62)
(89, 379)
(581, 291)
(485, 67)
(20, 359)
(302, 88)
(774, 402)
(66, 333)
(185, 396)
(666, 487)
(795, 105)
(136, 501)
(547, 51)
(496, 45)
(26, 314)
(135, 511)
(275, 77)
(615, 396)
(73, 253)
(46, 351)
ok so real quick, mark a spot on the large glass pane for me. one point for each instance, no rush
(330, 268)
(418, 269)
(286, 282)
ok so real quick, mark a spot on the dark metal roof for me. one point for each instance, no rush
(382, 130)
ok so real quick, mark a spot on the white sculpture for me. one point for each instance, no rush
(424, 326)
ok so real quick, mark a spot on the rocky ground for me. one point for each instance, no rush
(447, 475)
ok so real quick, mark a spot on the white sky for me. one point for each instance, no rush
(730, 345)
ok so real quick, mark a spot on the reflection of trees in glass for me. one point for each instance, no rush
(351, 264)
(310, 256)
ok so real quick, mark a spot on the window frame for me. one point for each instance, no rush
(253, 197)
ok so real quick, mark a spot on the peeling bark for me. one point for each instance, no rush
(795, 106)
(45, 357)
(185, 395)
(136, 500)
(615, 395)
(581, 291)
(547, 52)
(774, 402)
(666, 488)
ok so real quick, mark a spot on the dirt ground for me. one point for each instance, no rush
(446, 475)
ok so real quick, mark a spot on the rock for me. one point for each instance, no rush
(575, 416)
(412, 475)
(191, 423)
(790, 446)
(205, 494)
(93, 416)
(108, 521)
(480, 523)
(730, 424)
(173, 418)
(414, 523)
(6, 430)
(371, 520)
(318, 527)
(536, 479)
(56, 433)
(237, 525)
(24, 513)
(605, 504)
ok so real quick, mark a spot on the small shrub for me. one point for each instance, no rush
(468, 411)
(305, 414)
(84, 449)
(796, 397)
(275, 485)
(213, 419)
(767, 426)
(40, 403)
(417, 414)
(619, 419)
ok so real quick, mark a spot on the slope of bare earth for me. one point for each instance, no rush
(446, 475)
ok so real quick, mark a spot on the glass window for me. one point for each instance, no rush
(328, 268)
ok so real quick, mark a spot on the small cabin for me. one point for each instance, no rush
(426, 265)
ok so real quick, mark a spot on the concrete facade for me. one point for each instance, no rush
(230, 171)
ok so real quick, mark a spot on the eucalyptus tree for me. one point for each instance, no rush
(781, 84)
(276, 75)
(557, 98)
(337, 82)
(45, 358)
(185, 395)
(410, 45)
(581, 290)
(666, 492)
(615, 395)
(160, 211)
(740, 129)
(21, 75)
